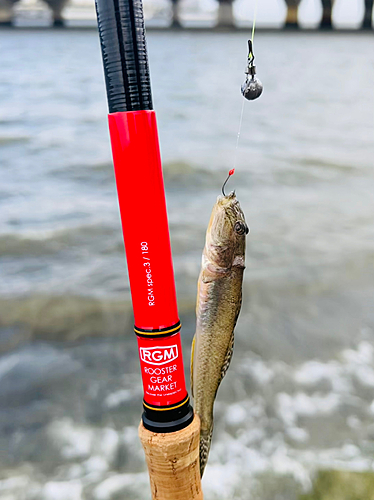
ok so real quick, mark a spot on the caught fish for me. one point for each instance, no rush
(218, 305)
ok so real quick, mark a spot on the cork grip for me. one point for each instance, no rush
(173, 462)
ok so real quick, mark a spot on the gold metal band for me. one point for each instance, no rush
(169, 407)
(155, 332)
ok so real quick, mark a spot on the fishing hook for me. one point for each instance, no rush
(228, 177)
(252, 87)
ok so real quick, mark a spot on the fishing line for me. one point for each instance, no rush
(242, 111)
(254, 20)
(238, 136)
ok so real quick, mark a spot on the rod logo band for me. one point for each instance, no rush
(161, 364)
(158, 355)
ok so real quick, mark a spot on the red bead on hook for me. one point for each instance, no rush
(228, 177)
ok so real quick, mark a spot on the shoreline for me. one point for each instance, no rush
(194, 29)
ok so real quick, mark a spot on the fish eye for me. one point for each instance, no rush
(241, 228)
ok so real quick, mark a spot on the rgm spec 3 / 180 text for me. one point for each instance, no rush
(148, 272)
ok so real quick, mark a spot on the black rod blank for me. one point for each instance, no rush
(124, 51)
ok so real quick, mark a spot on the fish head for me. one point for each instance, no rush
(226, 234)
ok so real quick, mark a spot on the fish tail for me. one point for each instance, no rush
(205, 440)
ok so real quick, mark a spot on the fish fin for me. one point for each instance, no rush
(205, 441)
(230, 348)
(191, 368)
(228, 358)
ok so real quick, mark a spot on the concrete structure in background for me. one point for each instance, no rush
(175, 18)
(326, 21)
(292, 14)
(225, 16)
(7, 11)
(367, 22)
(57, 7)
(292, 21)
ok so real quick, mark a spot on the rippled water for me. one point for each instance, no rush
(299, 393)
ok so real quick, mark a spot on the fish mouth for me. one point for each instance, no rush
(230, 204)
(229, 196)
(226, 201)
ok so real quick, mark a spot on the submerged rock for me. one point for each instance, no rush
(342, 485)
(62, 318)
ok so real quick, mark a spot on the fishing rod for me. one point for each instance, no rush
(139, 179)
(169, 431)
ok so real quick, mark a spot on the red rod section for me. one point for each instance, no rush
(140, 186)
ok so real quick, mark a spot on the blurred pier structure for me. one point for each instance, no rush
(326, 21)
(10, 8)
(292, 18)
(292, 14)
(82, 11)
(225, 13)
(367, 23)
(175, 17)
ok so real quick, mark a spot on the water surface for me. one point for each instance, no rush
(299, 393)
